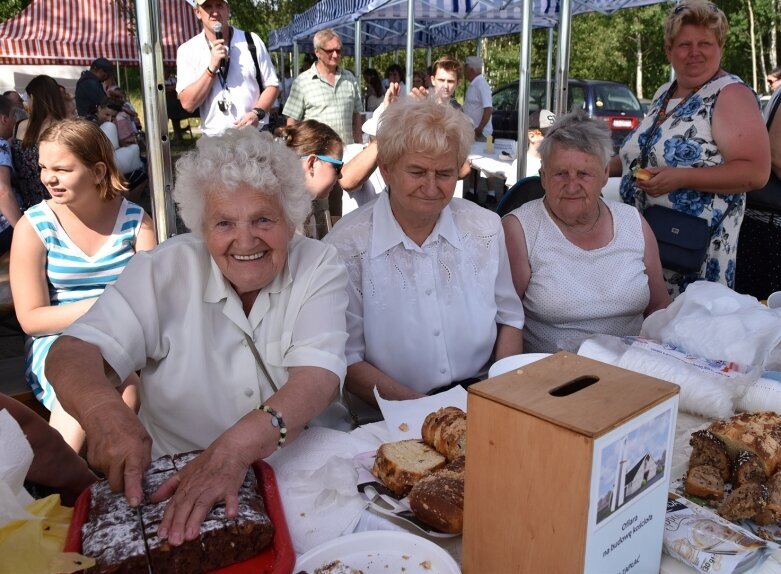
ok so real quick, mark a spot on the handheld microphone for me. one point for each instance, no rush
(218, 34)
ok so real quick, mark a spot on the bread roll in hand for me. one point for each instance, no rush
(643, 175)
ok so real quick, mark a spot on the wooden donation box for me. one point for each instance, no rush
(568, 467)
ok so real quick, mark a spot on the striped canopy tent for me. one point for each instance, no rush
(75, 32)
(436, 22)
(380, 36)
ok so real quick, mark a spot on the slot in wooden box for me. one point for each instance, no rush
(568, 467)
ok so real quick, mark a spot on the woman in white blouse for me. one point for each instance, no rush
(431, 299)
(582, 265)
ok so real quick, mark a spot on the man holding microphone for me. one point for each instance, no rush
(225, 72)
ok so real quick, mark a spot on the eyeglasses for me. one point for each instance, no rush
(332, 51)
(681, 7)
(337, 163)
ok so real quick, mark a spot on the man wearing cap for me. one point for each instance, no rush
(89, 88)
(477, 102)
(540, 121)
(217, 74)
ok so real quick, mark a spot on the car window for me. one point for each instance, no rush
(537, 96)
(615, 98)
(505, 99)
(577, 98)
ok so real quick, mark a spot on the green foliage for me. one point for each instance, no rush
(10, 8)
(264, 16)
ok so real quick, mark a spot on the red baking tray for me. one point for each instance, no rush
(278, 558)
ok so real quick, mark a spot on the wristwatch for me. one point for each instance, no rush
(260, 112)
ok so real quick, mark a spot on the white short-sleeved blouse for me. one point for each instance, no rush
(426, 315)
(173, 316)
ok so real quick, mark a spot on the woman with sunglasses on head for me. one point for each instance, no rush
(320, 150)
(706, 119)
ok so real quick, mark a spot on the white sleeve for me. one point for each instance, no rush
(187, 69)
(485, 96)
(110, 129)
(509, 309)
(267, 71)
(124, 323)
(128, 158)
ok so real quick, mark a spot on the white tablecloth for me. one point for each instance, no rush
(315, 517)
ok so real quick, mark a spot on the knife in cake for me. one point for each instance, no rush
(143, 536)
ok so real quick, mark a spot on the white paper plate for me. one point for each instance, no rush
(515, 362)
(381, 551)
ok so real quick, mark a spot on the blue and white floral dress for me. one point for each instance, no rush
(684, 139)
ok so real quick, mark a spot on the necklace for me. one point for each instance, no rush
(572, 227)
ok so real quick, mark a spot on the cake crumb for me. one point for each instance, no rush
(426, 564)
(403, 427)
(302, 514)
(405, 557)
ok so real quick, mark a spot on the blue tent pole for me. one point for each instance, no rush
(296, 64)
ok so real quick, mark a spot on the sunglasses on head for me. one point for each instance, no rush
(337, 163)
(683, 7)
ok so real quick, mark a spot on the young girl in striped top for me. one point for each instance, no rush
(66, 250)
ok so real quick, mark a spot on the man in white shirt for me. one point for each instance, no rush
(216, 72)
(477, 103)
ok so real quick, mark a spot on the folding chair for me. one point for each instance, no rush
(522, 191)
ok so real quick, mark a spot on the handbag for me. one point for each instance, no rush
(683, 239)
(769, 197)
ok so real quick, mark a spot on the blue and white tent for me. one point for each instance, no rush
(436, 22)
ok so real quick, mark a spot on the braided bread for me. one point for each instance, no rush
(445, 431)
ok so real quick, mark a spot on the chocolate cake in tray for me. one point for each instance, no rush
(119, 542)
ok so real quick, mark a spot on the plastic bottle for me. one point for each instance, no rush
(489, 144)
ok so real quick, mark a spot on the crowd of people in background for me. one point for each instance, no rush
(413, 292)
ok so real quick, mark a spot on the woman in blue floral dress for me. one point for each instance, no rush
(706, 118)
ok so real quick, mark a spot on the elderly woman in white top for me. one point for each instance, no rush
(237, 329)
(431, 296)
(582, 265)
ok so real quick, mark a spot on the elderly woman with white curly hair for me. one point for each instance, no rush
(237, 330)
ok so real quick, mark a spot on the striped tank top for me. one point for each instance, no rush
(73, 276)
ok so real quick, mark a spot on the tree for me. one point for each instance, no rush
(9, 8)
